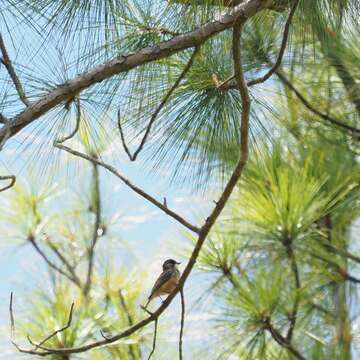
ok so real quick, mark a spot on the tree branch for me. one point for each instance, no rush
(64, 261)
(352, 131)
(182, 323)
(222, 86)
(276, 335)
(78, 118)
(154, 339)
(157, 111)
(33, 242)
(5, 60)
(294, 312)
(124, 63)
(68, 324)
(131, 186)
(130, 321)
(209, 222)
(96, 208)
(12, 179)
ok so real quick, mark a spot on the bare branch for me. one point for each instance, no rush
(157, 111)
(33, 242)
(12, 179)
(130, 321)
(124, 63)
(78, 118)
(130, 185)
(279, 57)
(294, 312)
(182, 323)
(209, 222)
(12, 321)
(96, 206)
(62, 258)
(68, 324)
(276, 335)
(154, 339)
(5, 60)
(354, 132)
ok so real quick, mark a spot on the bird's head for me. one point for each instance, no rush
(170, 263)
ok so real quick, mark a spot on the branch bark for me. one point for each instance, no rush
(209, 222)
(12, 179)
(124, 63)
(276, 335)
(127, 182)
(96, 208)
(5, 60)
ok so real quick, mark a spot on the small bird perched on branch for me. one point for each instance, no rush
(167, 281)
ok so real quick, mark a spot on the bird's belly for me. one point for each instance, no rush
(169, 286)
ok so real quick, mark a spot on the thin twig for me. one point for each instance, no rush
(5, 60)
(96, 206)
(276, 335)
(33, 242)
(157, 111)
(294, 312)
(130, 320)
(354, 132)
(182, 323)
(78, 118)
(12, 179)
(12, 321)
(68, 324)
(209, 222)
(154, 339)
(342, 272)
(279, 57)
(136, 189)
(63, 259)
(7, 129)
(126, 62)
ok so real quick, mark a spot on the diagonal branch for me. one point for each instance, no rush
(35, 245)
(224, 84)
(96, 208)
(65, 261)
(68, 324)
(209, 222)
(12, 179)
(276, 335)
(127, 182)
(123, 63)
(5, 60)
(354, 132)
(157, 111)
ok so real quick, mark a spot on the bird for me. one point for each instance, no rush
(167, 281)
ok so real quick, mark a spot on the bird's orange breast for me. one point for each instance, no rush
(168, 287)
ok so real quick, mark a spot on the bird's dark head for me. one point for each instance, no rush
(170, 263)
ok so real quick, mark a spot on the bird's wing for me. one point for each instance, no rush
(163, 278)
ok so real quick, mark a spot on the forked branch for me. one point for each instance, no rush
(229, 82)
(156, 112)
(209, 222)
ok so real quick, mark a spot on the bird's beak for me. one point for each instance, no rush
(178, 263)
